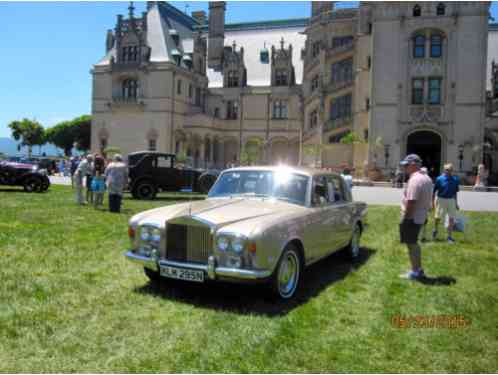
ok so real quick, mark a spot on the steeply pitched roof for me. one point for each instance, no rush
(253, 36)
(253, 41)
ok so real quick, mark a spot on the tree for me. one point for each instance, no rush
(251, 152)
(29, 132)
(68, 134)
(111, 151)
(350, 139)
(62, 135)
(82, 132)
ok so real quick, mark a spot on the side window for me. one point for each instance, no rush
(336, 189)
(163, 162)
(320, 196)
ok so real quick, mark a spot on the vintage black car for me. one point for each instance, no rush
(151, 172)
(30, 177)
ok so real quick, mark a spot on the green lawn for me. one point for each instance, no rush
(70, 302)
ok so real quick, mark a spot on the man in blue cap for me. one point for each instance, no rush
(415, 206)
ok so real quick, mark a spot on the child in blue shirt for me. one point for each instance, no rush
(98, 188)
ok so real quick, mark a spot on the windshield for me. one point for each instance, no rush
(282, 185)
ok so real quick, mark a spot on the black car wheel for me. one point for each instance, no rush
(145, 190)
(153, 276)
(32, 184)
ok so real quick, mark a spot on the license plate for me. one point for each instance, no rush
(182, 274)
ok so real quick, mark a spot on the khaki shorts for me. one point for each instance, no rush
(445, 207)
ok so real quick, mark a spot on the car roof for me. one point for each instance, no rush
(288, 168)
(150, 153)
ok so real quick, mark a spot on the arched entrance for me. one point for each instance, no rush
(427, 145)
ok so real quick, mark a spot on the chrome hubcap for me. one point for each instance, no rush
(355, 242)
(288, 274)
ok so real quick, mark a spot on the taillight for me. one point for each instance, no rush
(131, 233)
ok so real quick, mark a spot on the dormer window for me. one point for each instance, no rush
(130, 89)
(233, 78)
(264, 56)
(129, 54)
(440, 10)
(417, 11)
(281, 77)
(314, 82)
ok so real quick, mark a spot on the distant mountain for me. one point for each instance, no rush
(8, 146)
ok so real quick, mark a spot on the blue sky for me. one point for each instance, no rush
(48, 49)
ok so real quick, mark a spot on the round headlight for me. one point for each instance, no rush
(238, 244)
(155, 235)
(145, 234)
(223, 243)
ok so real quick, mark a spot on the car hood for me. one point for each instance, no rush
(218, 212)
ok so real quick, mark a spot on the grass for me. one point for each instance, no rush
(70, 302)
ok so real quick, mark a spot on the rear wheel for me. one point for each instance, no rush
(32, 184)
(144, 190)
(287, 275)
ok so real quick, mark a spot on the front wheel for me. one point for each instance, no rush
(285, 279)
(32, 184)
(153, 276)
(353, 249)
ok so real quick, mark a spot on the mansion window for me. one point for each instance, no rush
(281, 77)
(152, 145)
(440, 10)
(216, 112)
(314, 83)
(129, 89)
(129, 54)
(418, 91)
(315, 48)
(232, 109)
(179, 87)
(417, 11)
(313, 119)
(435, 48)
(419, 46)
(279, 109)
(190, 91)
(341, 41)
(434, 90)
(341, 107)
(233, 78)
(436, 45)
(342, 71)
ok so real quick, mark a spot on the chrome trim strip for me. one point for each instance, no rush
(233, 273)
(141, 260)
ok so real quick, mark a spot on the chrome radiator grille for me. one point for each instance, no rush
(188, 243)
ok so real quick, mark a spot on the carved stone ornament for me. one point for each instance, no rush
(426, 114)
(426, 67)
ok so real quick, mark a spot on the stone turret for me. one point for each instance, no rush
(318, 7)
(109, 42)
(216, 36)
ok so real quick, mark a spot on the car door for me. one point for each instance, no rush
(319, 220)
(340, 208)
(164, 173)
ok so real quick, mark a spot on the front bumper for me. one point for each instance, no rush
(211, 269)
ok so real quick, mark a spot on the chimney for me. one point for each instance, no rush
(200, 17)
(109, 42)
(216, 35)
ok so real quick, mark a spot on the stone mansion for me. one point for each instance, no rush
(356, 86)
